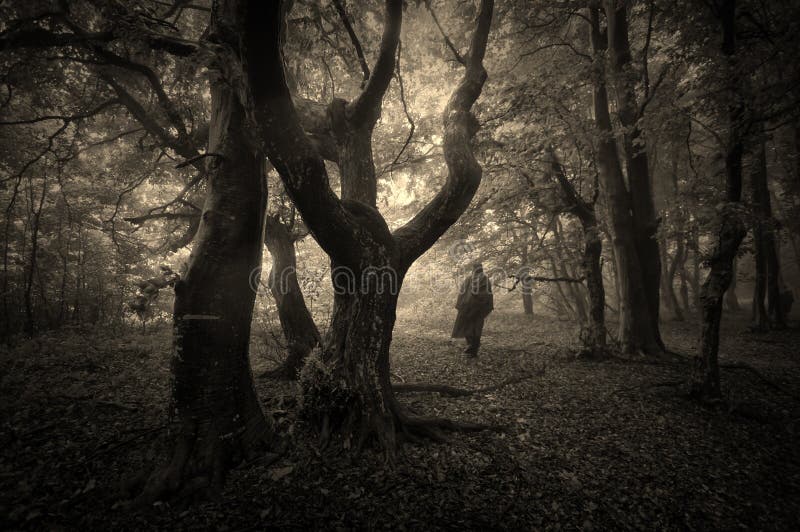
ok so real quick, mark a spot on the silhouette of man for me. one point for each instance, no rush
(475, 302)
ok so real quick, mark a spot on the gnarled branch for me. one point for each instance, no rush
(464, 172)
(367, 105)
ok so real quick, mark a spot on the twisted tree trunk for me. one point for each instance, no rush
(368, 262)
(299, 330)
(704, 382)
(592, 251)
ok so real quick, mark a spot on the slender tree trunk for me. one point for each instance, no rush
(592, 252)
(593, 249)
(695, 277)
(760, 318)
(30, 324)
(216, 418)
(299, 330)
(678, 260)
(665, 279)
(766, 246)
(704, 381)
(527, 297)
(576, 295)
(684, 290)
(7, 321)
(731, 297)
(563, 301)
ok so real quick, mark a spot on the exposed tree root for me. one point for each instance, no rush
(682, 361)
(452, 391)
(197, 467)
(418, 428)
(772, 384)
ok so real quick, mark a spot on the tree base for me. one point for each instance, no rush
(199, 463)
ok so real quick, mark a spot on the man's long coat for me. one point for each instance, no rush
(475, 302)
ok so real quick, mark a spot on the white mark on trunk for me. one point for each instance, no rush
(199, 317)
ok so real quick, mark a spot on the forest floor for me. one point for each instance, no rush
(590, 445)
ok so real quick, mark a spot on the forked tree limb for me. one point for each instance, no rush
(463, 170)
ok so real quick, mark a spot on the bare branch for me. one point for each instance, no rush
(464, 172)
(447, 40)
(353, 38)
(366, 107)
(66, 119)
(196, 158)
(139, 220)
(405, 107)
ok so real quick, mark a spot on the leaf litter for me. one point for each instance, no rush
(586, 445)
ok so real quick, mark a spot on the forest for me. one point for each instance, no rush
(400, 264)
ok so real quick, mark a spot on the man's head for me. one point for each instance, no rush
(477, 267)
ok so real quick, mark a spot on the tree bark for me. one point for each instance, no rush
(638, 330)
(527, 297)
(645, 218)
(731, 297)
(299, 330)
(216, 419)
(704, 381)
(766, 248)
(30, 325)
(592, 251)
(356, 395)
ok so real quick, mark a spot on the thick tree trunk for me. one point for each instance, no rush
(645, 218)
(215, 417)
(353, 387)
(299, 330)
(638, 328)
(357, 394)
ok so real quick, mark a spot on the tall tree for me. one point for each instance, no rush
(638, 329)
(766, 249)
(352, 232)
(705, 374)
(645, 220)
